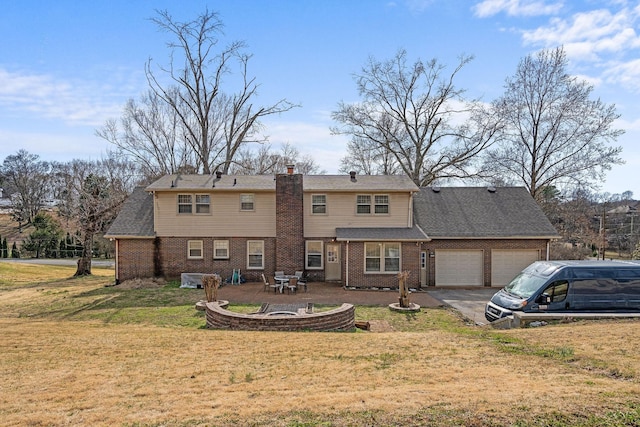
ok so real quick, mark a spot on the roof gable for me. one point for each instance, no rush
(475, 212)
(135, 218)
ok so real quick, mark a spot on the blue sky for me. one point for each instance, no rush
(67, 66)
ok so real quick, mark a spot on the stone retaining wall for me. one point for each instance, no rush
(338, 319)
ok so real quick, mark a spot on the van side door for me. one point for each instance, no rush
(554, 296)
(594, 289)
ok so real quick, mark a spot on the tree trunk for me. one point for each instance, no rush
(84, 263)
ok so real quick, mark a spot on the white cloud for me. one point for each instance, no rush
(488, 8)
(603, 42)
(586, 35)
(624, 73)
(74, 102)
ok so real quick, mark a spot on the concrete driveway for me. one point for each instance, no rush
(469, 302)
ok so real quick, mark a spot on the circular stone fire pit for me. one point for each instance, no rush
(413, 307)
(339, 319)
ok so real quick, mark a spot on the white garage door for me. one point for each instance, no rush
(506, 264)
(459, 268)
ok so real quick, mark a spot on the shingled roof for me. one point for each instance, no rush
(135, 219)
(480, 213)
(380, 233)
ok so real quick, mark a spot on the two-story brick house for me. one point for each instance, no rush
(359, 231)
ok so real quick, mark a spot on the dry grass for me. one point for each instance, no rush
(85, 363)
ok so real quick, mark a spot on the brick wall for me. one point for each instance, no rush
(339, 319)
(486, 246)
(290, 247)
(175, 261)
(410, 261)
(135, 259)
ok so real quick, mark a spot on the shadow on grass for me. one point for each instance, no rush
(114, 297)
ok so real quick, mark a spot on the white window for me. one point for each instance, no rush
(221, 249)
(194, 249)
(255, 254)
(381, 204)
(363, 204)
(246, 202)
(184, 204)
(314, 254)
(202, 204)
(318, 204)
(382, 257)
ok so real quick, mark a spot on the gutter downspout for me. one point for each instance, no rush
(548, 249)
(346, 282)
(117, 263)
(410, 216)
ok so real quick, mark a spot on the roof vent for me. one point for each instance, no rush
(491, 189)
(353, 176)
(435, 189)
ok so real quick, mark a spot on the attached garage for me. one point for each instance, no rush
(506, 264)
(459, 267)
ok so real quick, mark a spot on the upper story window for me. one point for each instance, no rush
(377, 204)
(202, 203)
(381, 204)
(247, 202)
(186, 203)
(318, 204)
(363, 204)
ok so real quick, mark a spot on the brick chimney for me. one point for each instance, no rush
(289, 222)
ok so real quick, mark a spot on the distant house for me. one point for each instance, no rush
(357, 231)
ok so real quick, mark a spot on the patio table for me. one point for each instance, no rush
(281, 281)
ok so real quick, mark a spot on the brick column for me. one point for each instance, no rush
(289, 223)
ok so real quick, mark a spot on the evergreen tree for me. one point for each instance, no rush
(5, 248)
(44, 239)
(63, 248)
(15, 253)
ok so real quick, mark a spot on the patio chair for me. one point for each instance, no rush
(267, 284)
(302, 281)
(292, 285)
(279, 273)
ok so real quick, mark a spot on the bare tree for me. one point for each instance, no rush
(214, 124)
(407, 121)
(266, 161)
(27, 179)
(553, 134)
(90, 194)
(366, 157)
(152, 135)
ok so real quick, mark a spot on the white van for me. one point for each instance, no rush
(569, 286)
